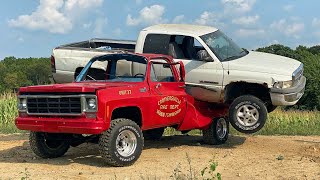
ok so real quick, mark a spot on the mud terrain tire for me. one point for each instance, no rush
(217, 133)
(46, 147)
(122, 143)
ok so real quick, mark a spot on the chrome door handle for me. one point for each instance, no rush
(158, 85)
(183, 86)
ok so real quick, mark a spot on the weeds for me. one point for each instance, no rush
(26, 174)
(8, 112)
(207, 173)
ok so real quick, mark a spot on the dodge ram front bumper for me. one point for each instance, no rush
(288, 96)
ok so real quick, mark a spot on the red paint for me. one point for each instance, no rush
(162, 104)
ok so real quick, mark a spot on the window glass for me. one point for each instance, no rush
(223, 47)
(161, 73)
(156, 44)
(121, 68)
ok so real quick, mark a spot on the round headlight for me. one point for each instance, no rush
(92, 104)
(22, 104)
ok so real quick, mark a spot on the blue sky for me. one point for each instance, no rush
(31, 28)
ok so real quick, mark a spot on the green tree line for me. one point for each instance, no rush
(17, 72)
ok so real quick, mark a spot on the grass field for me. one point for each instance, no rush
(279, 122)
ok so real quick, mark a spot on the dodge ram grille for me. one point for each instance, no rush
(54, 105)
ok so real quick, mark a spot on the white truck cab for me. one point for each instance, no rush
(217, 70)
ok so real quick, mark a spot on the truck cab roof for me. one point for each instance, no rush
(195, 30)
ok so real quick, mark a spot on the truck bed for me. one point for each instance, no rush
(69, 59)
(101, 44)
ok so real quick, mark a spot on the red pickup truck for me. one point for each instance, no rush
(134, 98)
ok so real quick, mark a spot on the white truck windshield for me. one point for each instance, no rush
(223, 47)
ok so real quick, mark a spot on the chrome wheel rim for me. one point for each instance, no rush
(126, 143)
(221, 128)
(247, 115)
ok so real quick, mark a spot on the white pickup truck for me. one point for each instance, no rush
(217, 70)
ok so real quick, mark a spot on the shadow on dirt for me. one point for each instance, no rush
(186, 140)
(88, 154)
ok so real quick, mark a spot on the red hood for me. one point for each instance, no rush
(73, 87)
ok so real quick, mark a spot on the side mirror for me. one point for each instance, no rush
(182, 72)
(204, 56)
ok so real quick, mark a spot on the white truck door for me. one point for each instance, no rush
(204, 75)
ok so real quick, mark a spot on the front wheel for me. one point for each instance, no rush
(48, 145)
(217, 133)
(247, 114)
(122, 143)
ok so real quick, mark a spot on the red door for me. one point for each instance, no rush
(167, 96)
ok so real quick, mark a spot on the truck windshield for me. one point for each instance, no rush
(114, 68)
(223, 47)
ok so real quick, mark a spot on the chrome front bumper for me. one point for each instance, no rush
(289, 96)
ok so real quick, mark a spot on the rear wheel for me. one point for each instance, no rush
(153, 134)
(122, 143)
(46, 145)
(217, 133)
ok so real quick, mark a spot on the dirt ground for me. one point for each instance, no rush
(243, 157)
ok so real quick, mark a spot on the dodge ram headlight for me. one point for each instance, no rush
(22, 104)
(283, 84)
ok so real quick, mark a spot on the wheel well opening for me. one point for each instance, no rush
(236, 89)
(132, 113)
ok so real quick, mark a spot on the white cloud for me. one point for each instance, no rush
(56, 16)
(99, 26)
(246, 20)
(148, 16)
(76, 8)
(178, 19)
(289, 29)
(316, 22)
(250, 32)
(238, 6)
(209, 18)
(288, 7)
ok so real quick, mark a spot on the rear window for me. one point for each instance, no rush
(156, 43)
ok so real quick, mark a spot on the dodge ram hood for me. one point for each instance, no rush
(81, 87)
(263, 63)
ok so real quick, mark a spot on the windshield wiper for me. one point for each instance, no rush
(231, 58)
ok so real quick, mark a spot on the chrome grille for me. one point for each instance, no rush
(297, 75)
(54, 105)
